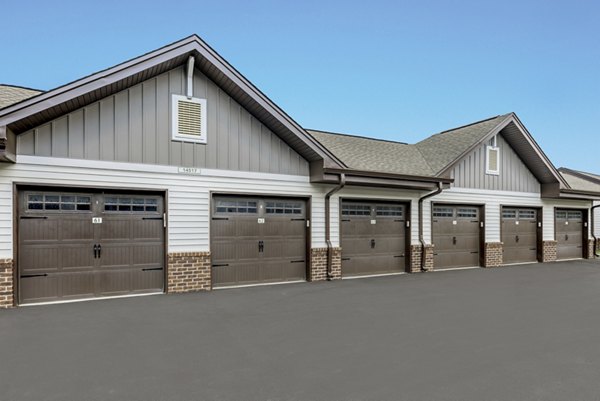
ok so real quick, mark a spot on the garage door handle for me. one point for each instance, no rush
(516, 238)
(33, 275)
(566, 237)
(95, 251)
(99, 251)
(261, 246)
(453, 240)
(372, 244)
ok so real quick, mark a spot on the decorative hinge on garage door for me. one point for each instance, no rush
(151, 269)
(34, 217)
(220, 218)
(345, 258)
(221, 265)
(33, 275)
(297, 261)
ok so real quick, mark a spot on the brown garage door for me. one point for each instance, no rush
(256, 240)
(569, 234)
(519, 235)
(456, 236)
(373, 238)
(85, 245)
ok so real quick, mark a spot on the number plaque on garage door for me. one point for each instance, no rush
(373, 237)
(257, 240)
(85, 245)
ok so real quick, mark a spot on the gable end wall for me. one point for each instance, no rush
(514, 174)
(133, 126)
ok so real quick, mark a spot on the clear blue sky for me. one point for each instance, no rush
(390, 69)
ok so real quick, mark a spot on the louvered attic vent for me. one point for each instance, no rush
(188, 119)
(492, 160)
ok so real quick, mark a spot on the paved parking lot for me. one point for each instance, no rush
(513, 333)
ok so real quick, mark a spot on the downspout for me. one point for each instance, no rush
(595, 251)
(421, 237)
(190, 78)
(340, 185)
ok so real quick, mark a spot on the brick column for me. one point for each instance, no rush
(493, 254)
(6, 284)
(415, 258)
(318, 264)
(591, 249)
(188, 272)
(549, 251)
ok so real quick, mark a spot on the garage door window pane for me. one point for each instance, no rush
(356, 210)
(467, 213)
(241, 207)
(395, 211)
(561, 215)
(527, 214)
(574, 215)
(57, 202)
(443, 212)
(509, 214)
(283, 207)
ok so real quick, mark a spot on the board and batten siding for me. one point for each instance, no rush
(493, 201)
(188, 195)
(514, 174)
(134, 126)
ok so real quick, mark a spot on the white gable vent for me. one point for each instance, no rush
(188, 119)
(492, 160)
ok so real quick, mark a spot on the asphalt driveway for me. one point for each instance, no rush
(512, 333)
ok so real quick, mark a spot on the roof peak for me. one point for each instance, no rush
(471, 124)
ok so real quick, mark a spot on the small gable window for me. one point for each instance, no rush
(188, 118)
(492, 158)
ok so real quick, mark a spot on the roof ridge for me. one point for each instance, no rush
(21, 87)
(468, 125)
(357, 136)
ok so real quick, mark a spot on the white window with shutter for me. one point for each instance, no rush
(188, 117)
(492, 159)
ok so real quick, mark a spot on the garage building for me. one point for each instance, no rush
(171, 172)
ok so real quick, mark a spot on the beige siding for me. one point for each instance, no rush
(514, 175)
(134, 126)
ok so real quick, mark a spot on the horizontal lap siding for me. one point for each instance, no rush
(188, 202)
(597, 219)
(493, 201)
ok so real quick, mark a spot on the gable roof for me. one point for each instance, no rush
(435, 155)
(44, 107)
(11, 94)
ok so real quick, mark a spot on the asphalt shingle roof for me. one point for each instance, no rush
(368, 154)
(581, 184)
(14, 94)
(426, 158)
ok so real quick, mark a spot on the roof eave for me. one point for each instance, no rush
(378, 174)
(578, 194)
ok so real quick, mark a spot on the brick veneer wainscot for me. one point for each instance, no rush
(549, 251)
(188, 272)
(318, 264)
(493, 254)
(6, 283)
